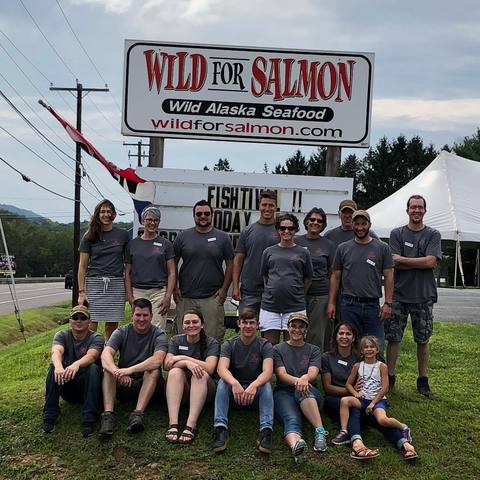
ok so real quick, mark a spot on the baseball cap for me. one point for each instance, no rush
(361, 213)
(298, 316)
(350, 204)
(80, 309)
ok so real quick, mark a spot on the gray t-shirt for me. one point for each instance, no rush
(201, 273)
(252, 242)
(149, 261)
(107, 255)
(296, 360)
(134, 347)
(246, 361)
(74, 350)
(338, 367)
(362, 266)
(322, 252)
(415, 285)
(285, 269)
(338, 235)
(178, 345)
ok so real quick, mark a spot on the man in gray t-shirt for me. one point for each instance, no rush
(359, 265)
(203, 283)
(74, 373)
(142, 347)
(416, 249)
(247, 281)
(245, 369)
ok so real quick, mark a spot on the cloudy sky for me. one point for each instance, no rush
(426, 77)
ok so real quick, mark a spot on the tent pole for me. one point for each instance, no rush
(478, 267)
(460, 264)
(456, 265)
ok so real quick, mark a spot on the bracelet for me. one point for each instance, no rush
(81, 291)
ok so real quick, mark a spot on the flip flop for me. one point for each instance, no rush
(171, 435)
(364, 453)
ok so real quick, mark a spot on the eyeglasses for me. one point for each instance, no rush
(202, 214)
(152, 220)
(315, 220)
(282, 228)
(79, 317)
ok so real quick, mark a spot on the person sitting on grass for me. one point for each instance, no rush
(74, 374)
(142, 347)
(191, 361)
(372, 376)
(297, 364)
(245, 369)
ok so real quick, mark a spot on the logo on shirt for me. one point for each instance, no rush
(254, 357)
(371, 255)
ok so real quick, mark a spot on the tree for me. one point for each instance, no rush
(294, 165)
(317, 162)
(265, 168)
(351, 167)
(469, 147)
(223, 165)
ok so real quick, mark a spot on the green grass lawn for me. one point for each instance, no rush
(446, 429)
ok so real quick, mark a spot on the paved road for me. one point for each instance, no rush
(32, 295)
(453, 305)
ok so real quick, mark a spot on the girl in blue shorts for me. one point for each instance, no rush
(370, 376)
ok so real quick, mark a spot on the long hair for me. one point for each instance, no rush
(95, 229)
(334, 344)
(203, 337)
(374, 341)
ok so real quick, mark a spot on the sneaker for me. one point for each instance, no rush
(88, 429)
(391, 381)
(107, 424)
(423, 387)
(299, 450)
(220, 439)
(264, 442)
(48, 426)
(320, 443)
(407, 434)
(342, 438)
(135, 422)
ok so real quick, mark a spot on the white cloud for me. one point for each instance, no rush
(111, 6)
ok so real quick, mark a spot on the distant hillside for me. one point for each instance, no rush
(20, 211)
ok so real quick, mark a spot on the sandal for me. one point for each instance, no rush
(410, 454)
(171, 435)
(188, 435)
(364, 453)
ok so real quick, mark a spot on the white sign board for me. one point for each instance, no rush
(235, 196)
(247, 94)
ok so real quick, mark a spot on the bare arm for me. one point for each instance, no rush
(171, 284)
(409, 263)
(128, 283)
(225, 374)
(266, 375)
(306, 284)
(386, 309)
(108, 362)
(351, 380)
(331, 389)
(236, 271)
(332, 292)
(57, 357)
(90, 357)
(151, 363)
(82, 273)
(183, 361)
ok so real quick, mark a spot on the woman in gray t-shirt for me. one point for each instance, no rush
(191, 361)
(100, 269)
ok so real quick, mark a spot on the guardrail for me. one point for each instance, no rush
(5, 280)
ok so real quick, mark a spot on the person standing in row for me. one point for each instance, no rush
(359, 265)
(416, 249)
(322, 252)
(150, 269)
(101, 283)
(203, 283)
(287, 271)
(247, 280)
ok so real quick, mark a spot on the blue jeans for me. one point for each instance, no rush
(331, 406)
(263, 402)
(84, 389)
(287, 408)
(365, 317)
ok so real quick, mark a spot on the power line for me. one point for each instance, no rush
(47, 40)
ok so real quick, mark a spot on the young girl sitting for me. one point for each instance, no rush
(371, 375)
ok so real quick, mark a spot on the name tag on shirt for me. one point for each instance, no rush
(408, 244)
(343, 362)
(212, 239)
(182, 347)
(370, 262)
(157, 244)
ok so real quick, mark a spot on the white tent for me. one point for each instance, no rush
(451, 187)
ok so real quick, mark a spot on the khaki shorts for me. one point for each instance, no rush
(156, 295)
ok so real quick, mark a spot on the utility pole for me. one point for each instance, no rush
(139, 154)
(333, 161)
(78, 178)
(155, 156)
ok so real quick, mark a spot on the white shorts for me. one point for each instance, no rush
(274, 321)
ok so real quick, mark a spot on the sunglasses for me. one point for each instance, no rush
(202, 214)
(79, 317)
(315, 220)
(283, 228)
